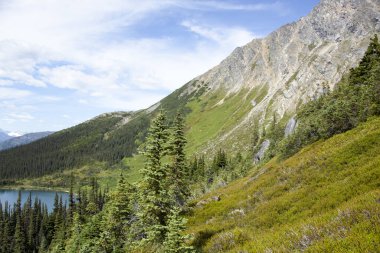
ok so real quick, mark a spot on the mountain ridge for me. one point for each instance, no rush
(23, 139)
(296, 63)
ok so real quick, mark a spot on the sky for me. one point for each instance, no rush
(63, 62)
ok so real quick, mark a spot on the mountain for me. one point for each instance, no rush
(290, 142)
(4, 136)
(23, 139)
(324, 197)
(232, 105)
(108, 137)
(296, 63)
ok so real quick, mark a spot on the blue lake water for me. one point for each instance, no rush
(46, 197)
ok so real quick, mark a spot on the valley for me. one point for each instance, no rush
(275, 149)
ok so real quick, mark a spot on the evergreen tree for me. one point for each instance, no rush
(7, 235)
(71, 210)
(19, 236)
(31, 236)
(178, 172)
(201, 167)
(175, 241)
(360, 74)
(118, 217)
(153, 199)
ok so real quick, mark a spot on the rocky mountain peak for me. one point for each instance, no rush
(297, 62)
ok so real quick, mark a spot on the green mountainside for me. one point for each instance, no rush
(106, 138)
(326, 198)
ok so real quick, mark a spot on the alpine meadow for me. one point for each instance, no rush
(275, 149)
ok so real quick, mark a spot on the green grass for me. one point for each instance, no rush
(105, 174)
(209, 118)
(326, 198)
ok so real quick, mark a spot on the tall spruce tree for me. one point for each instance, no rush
(178, 170)
(153, 200)
(117, 220)
(19, 236)
(70, 212)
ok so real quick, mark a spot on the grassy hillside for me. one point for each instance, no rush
(326, 198)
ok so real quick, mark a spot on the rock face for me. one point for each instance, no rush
(290, 127)
(263, 148)
(298, 61)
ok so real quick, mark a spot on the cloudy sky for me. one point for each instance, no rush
(65, 61)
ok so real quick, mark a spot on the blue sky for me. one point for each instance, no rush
(63, 62)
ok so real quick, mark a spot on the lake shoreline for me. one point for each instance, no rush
(33, 188)
(47, 198)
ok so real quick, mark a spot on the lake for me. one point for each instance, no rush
(46, 197)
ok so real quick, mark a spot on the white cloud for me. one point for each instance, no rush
(20, 116)
(225, 36)
(11, 93)
(220, 5)
(81, 47)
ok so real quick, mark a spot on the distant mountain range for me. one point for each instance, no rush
(6, 135)
(13, 139)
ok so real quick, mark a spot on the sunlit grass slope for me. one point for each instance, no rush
(326, 198)
(215, 114)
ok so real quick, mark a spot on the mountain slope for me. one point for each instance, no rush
(4, 136)
(21, 140)
(274, 75)
(323, 199)
(230, 104)
(106, 138)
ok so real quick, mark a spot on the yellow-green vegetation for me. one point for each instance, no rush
(214, 114)
(326, 198)
(107, 176)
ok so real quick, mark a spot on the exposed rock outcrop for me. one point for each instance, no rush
(296, 62)
(290, 126)
(263, 148)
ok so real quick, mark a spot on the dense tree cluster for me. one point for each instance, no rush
(145, 217)
(206, 173)
(95, 140)
(29, 227)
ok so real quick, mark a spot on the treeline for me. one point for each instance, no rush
(31, 228)
(95, 140)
